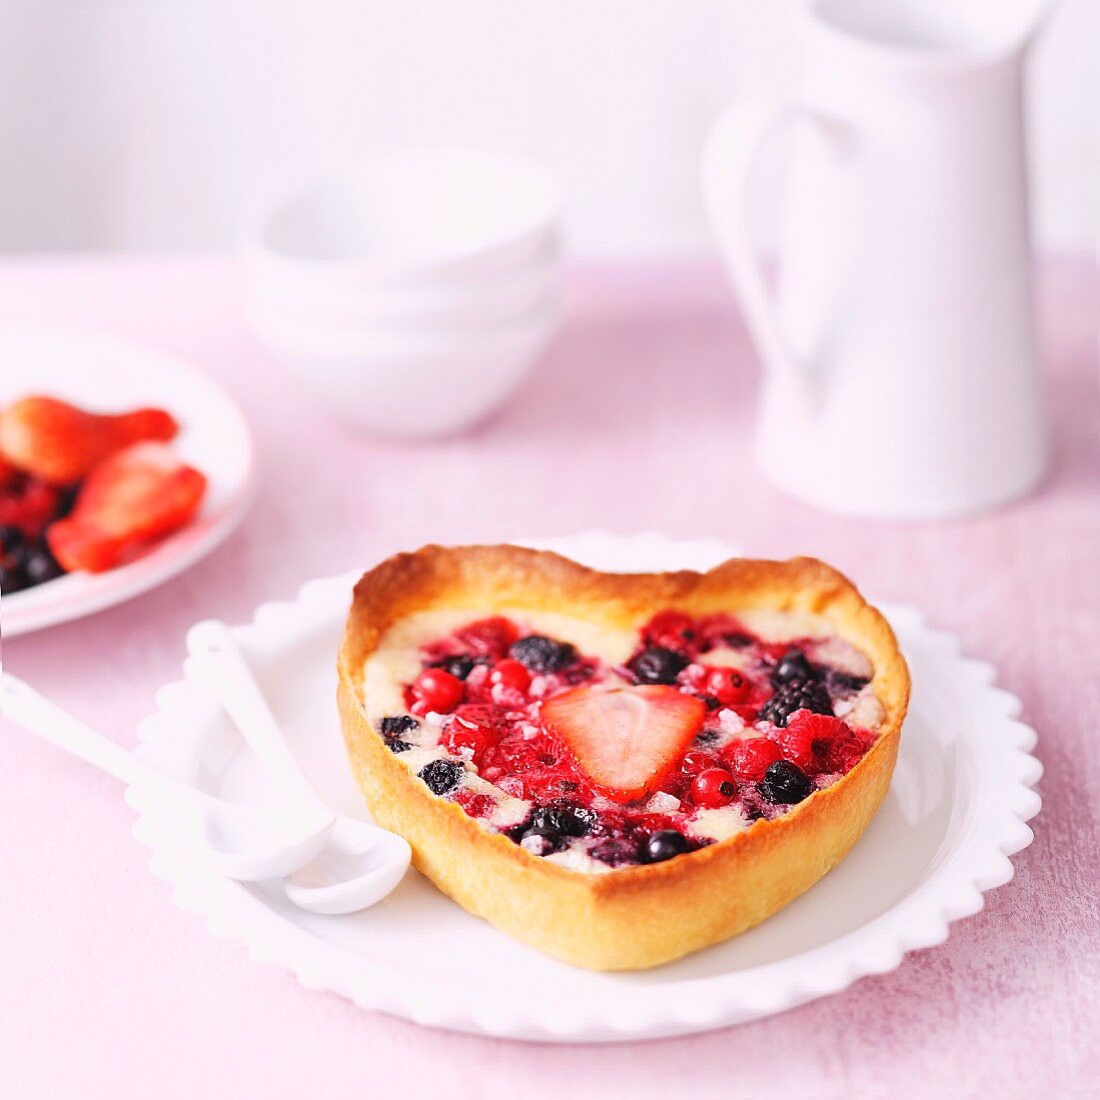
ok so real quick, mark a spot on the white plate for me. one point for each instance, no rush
(955, 811)
(103, 374)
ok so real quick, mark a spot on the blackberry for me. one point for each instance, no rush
(664, 844)
(441, 776)
(792, 666)
(394, 727)
(396, 745)
(657, 665)
(566, 820)
(792, 696)
(459, 666)
(538, 653)
(785, 782)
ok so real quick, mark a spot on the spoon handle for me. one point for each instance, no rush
(25, 707)
(217, 663)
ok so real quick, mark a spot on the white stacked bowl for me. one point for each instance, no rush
(412, 295)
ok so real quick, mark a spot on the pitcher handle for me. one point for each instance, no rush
(729, 157)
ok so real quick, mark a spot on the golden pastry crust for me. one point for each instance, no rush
(633, 917)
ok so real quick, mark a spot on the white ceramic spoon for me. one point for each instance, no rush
(245, 843)
(361, 863)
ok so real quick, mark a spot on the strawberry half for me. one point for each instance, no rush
(139, 494)
(60, 443)
(625, 739)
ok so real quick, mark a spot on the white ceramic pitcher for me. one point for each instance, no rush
(900, 367)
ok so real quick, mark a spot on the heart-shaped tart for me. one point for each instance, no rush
(619, 769)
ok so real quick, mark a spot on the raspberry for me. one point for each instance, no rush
(819, 742)
(670, 630)
(749, 760)
(841, 754)
(490, 637)
(475, 803)
(796, 743)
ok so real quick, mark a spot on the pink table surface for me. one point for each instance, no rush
(640, 418)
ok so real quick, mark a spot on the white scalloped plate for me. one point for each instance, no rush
(955, 811)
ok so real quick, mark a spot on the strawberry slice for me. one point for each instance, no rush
(60, 443)
(625, 739)
(139, 494)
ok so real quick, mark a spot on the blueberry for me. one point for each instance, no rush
(441, 776)
(394, 727)
(541, 842)
(664, 844)
(792, 666)
(396, 745)
(11, 580)
(792, 696)
(459, 666)
(40, 565)
(786, 782)
(566, 820)
(12, 540)
(541, 654)
(657, 666)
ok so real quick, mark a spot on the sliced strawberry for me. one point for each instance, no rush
(625, 739)
(60, 443)
(139, 494)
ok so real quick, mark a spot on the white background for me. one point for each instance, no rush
(157, 125)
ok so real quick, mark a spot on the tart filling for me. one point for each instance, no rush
(599, 748)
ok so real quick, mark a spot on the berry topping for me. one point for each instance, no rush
(792, 666)
(29, 505)
(565, 820)
(459, 666)
(436, 689)
(695, 762)
(136, 495)
(657, 666)
(670, 630)
(541, 654)
(61, 443)
(441, 776)
(664, 845)
(726, 685)
(510, 674)
(786, 783)
(796, 742)
(39, 565)
(841, 754)
(540, 842)
(793, 696)
(625, 739)
(713, 788)
(489, 637)
(844, 684)
(399, 724)
(463, 737)
(396, 745)
(749, 760)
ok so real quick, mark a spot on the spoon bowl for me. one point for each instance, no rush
(358, 866)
